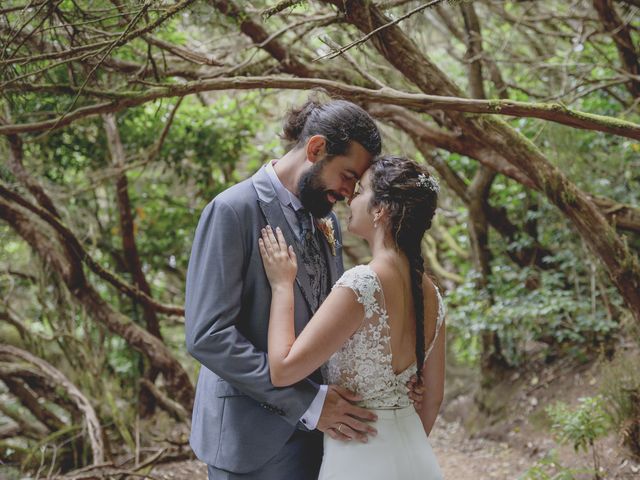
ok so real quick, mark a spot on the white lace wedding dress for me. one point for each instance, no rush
(401, 450)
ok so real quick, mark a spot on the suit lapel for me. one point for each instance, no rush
(275, 217)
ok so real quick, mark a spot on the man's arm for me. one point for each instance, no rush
(212, 306)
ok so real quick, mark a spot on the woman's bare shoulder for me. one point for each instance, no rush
(390, 277)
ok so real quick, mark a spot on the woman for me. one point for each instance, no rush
(373, 341)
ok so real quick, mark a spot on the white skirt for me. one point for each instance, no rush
(400, 451)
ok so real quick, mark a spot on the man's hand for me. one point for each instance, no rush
(343, 421)
(416, 392)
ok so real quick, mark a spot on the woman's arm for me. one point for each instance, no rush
(291, 359)
(433, 381)
(433, 372)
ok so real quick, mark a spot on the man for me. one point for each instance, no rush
(243, 426)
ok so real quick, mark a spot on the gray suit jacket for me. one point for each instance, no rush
(240, 420)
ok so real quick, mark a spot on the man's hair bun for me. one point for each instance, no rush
(296, 120)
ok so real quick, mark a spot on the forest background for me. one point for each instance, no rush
(120, 121)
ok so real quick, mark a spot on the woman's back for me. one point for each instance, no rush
(379, 358)
(395, 281)
(365, 365)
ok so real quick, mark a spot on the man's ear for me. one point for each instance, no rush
(316, 148)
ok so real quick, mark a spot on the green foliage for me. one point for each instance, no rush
(550, 468)
(581, 426)
(551, 313)
(66, 155)
(122, 360)
(570, 305)
(205, 143)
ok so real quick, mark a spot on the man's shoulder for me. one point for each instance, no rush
(238, 196)
(238, 201)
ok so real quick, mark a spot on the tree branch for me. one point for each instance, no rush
(555, 112)
(91, 419)
(84, 294)
(78, 250)
(621, 35)
(341, 50)
(96, 48)
(127, 229)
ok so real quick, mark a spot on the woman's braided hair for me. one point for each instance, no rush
(410, 195)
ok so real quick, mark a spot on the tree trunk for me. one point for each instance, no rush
(621, 34)
(147, 401)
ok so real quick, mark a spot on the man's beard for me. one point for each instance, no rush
(313, 192)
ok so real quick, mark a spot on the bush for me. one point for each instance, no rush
(621, 389)
(582, 426)
(552, 313)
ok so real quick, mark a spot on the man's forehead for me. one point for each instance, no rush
(354, 166)
(358, 159)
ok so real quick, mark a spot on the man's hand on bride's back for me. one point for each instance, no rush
(342, 420)
(280, 263)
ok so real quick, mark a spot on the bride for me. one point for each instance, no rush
(381, 323)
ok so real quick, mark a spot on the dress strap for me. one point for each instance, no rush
(365, 284)
(439, 323)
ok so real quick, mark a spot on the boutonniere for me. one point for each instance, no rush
(325, 225)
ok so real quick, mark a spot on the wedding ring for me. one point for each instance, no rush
(339, 427)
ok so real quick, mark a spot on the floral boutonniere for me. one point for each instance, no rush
(326, 227)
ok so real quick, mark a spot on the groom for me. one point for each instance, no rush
(243, 427)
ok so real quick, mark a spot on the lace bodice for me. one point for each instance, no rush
(363, 363)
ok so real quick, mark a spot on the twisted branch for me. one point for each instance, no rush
(554, 112)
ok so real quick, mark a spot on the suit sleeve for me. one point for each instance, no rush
(213, 296)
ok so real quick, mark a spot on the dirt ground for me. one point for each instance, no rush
(514, 441)
(460, 458)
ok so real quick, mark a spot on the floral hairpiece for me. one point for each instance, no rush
(428, 181)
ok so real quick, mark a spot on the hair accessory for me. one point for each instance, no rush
(428, 181)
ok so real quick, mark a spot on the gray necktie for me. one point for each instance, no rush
(313, 258)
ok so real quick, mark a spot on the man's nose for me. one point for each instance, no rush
(347, 189)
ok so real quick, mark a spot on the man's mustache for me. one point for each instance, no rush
(336, 195)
